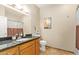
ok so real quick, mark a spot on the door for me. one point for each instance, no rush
(77, 29)
(77, 37)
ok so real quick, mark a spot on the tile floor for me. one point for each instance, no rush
(55, 51)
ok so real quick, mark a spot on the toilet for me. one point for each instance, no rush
(43, 45)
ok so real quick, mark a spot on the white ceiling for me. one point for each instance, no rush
(41, 5)
(46, 5)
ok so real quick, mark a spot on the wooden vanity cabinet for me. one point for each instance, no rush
(10, 51)
(27, 48)
(30, 48)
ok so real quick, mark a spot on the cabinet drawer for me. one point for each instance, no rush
(25, 45)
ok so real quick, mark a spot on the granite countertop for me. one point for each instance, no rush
(10, 43)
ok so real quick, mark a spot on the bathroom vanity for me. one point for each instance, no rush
(24, 47)
(13, 24)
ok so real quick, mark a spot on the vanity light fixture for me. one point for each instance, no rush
(20, 7)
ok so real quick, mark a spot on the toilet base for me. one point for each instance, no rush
(43, 45)
(43, 48)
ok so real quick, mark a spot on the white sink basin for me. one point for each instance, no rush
(23, 39)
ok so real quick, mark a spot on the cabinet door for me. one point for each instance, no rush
(3, 53)
(29, 50)
(13, 51)
(37, 47)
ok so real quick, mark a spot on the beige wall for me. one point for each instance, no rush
(35, 17)
(27, 24)
(62, 34)
(2, 11)
(32, 20)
